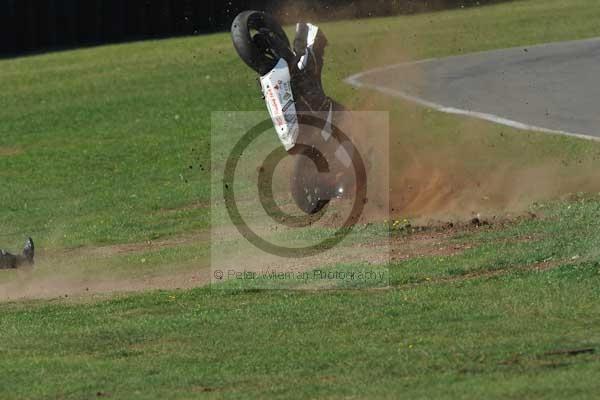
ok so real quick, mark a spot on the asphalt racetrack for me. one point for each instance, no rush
(550, 87)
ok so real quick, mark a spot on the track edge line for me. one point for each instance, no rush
(355, 81)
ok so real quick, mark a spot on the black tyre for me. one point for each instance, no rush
(253, 34)
(310, 189)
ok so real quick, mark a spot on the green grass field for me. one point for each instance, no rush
(105, 161)
(493, 321)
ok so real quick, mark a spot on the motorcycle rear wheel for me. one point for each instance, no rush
(248, 30)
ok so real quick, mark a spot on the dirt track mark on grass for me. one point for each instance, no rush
(552, 359)
(426, 244)
(188, 207)
(43, 283)
(10, 151)
(486, 274)
(438, 239)
(28, 287)
(89, 270)
(129, 248)
(417, 242)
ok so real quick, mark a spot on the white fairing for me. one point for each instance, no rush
(277, 89)
(310, 42)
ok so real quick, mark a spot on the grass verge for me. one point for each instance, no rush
(445, 328)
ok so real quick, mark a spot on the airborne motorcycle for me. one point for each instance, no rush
(303, 116)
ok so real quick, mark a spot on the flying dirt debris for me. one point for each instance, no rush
(10, 261)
